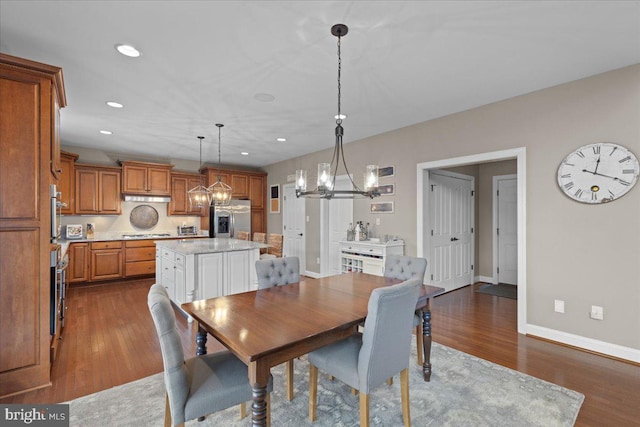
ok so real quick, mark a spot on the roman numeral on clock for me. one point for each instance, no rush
(628, 171)
(569, 185)
(626, 159)
(566, 175)
(596, 149)
(579, 153)
(578, 193)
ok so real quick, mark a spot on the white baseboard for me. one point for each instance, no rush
(312, 274)
(610, 349)
(485, 279)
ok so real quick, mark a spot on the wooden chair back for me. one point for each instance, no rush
(275, 242)
(242, 235)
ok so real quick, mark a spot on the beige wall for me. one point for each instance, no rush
(585, 255)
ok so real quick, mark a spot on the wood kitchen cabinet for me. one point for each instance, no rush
(67, 182)
(79, 259)
(139, 258)
(106, 260)
(97, 190)
(181, 183)
(146, 179)
(32, 94)
(247, 185)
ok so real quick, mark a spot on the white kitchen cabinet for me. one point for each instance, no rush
(366, 256)
(210, 275)
(237, 273)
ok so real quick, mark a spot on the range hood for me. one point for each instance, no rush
(148, 199)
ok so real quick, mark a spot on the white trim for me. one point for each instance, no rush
(486, 279)
(520, 154)
(602, 347)
(494, 243)
(312, 274)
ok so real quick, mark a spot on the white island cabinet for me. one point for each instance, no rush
(194, 269)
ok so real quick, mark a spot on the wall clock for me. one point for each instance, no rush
(598, 173)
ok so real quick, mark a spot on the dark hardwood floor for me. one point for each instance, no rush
(109, 339)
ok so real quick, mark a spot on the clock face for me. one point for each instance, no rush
(598, 173)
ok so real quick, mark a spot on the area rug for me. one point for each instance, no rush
(464, 391)
(499, 290)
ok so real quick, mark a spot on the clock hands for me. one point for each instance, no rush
(597, 164)
(606, 176)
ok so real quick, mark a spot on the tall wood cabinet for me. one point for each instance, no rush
(32, 94)
(245, 185)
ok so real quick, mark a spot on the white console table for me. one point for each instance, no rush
(366, 256)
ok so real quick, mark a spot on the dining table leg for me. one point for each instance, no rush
(201, 341)
(426, 341)
(258, 378)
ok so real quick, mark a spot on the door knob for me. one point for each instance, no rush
(300, 234)
(453, 239)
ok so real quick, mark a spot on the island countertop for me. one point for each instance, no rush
(207, 246)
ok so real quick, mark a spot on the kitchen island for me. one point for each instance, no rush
(195, 269)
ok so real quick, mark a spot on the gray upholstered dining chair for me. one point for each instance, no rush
(276, 272)
(364, 361)
(405, 268)
(203, 384)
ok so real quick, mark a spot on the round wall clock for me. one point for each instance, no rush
(598, 173)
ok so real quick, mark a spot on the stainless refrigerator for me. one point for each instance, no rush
(226, 221)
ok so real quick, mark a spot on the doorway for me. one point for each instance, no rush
(505, 229)
(423, 237)
(293, 225)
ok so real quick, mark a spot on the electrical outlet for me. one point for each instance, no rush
(318, 261)
(307, 218)
(597, 313)
(558, 306)
(377, 221)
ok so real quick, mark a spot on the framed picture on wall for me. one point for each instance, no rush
(274, 199)
(387, 189)
(386, 171)
(381, 207)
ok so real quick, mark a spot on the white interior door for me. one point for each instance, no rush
(506, 229)
(293, 223)
(451, 217)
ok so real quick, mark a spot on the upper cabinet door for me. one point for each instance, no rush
(257, 191)
(239, 186)
(146, 179)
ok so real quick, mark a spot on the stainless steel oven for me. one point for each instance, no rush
(58, 284)
(56, 213)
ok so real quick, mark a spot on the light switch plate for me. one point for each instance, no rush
(558, 306)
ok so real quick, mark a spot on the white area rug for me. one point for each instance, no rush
(464, 391)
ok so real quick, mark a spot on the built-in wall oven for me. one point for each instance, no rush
(58, 266)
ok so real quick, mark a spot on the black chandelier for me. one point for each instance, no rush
(326, 179)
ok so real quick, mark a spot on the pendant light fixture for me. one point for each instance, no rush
(220, 192)
(327, 171)
(199, 196)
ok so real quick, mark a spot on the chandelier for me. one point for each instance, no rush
(325, 188)
(220, 192)
(199, 196)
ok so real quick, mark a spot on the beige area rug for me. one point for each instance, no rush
(464, 391)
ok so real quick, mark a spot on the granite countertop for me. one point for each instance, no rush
(207, 246)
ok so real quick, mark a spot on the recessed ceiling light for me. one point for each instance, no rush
(281, 139)
(106, 132)
(264, 97)
(244, 153)
(341, 116)
(128, 50)
(114, 104)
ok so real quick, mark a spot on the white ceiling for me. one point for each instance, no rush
(205, 62)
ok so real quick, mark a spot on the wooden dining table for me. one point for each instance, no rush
(267, 327)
